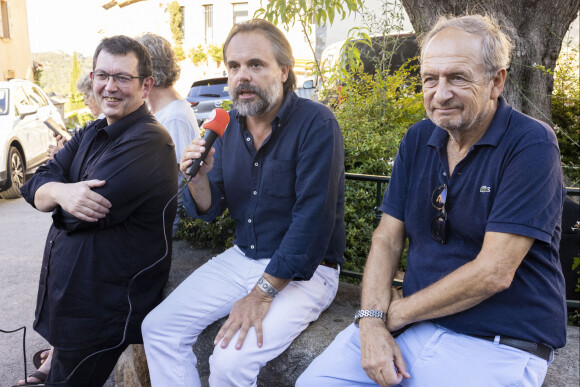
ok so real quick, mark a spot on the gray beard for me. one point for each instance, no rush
(265, 98)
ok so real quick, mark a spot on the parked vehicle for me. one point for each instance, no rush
(24, 138)
(206, 95)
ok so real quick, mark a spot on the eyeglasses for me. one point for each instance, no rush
(438, 223)
(120, 79)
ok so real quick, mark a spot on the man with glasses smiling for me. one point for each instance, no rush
(108, 190)
(477, 190)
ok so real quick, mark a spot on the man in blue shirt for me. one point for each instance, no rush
(279, 169)
(477, 189)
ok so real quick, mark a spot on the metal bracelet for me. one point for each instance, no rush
(267, 287)
(369, 313)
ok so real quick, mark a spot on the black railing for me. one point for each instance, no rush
(379, 180)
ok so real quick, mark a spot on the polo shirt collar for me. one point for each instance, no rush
(492, 135)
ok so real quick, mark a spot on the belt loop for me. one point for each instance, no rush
(497, 339)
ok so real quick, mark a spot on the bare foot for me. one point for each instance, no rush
(36, 377)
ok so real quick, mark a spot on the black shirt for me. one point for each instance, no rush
(87, 267)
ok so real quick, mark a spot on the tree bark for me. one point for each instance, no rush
(537, 30)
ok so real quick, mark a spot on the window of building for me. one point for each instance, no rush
(5, 19)
(208, 23)
(240, 12)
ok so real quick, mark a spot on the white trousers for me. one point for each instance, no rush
(435, 357)
(171, 329)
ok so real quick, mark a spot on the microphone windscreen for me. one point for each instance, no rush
(217, 121)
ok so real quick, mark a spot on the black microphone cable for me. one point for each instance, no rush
(23, 347)
(128, 299)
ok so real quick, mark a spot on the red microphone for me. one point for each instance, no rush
(214, 126)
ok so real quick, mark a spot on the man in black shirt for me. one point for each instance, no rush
(108, 190)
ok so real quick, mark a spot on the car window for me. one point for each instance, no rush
(37, 97)
(3, 101)
(20, 99)
(209, 90)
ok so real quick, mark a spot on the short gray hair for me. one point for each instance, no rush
(496, 45)
(85, 84)
(166, 70)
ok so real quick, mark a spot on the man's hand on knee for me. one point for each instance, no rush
(381, 357)
(247, 312)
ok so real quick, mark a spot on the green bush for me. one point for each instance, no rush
(374, 115)
(78, 119)
(198, 55)
(218, 234)
(215, 52)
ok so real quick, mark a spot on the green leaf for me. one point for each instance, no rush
(330, 12)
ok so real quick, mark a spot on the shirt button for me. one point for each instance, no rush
(248, 139)
(255, 192)
(444, 173)
(249, 220)
(50, 242)
(252, 247)
(255, 164)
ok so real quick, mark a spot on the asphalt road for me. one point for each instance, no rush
(23, 232)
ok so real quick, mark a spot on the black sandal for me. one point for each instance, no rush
(37, 360)
(36, 374)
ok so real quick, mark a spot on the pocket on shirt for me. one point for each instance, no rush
(279, 178)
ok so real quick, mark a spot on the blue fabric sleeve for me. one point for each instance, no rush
(529, 199)
(319, 173)
(218, 202)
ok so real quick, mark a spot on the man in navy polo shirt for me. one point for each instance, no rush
(477, 189)
(279, 169)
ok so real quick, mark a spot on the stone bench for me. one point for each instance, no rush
(131, 370)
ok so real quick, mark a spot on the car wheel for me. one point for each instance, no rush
(16, 172)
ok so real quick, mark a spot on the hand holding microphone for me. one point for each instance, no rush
(215, 127)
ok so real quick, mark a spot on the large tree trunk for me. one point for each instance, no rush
(538, 29)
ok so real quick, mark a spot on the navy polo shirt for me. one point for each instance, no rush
(287, 197)
(510, 181)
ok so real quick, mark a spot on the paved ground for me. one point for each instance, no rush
(22, 234)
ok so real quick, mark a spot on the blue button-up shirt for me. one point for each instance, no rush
(287, 197)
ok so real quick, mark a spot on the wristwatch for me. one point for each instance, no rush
(369, 313)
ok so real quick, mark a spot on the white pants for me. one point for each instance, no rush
(171, 329)
(435, 357)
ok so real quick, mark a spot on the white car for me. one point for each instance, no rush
(24, 138)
